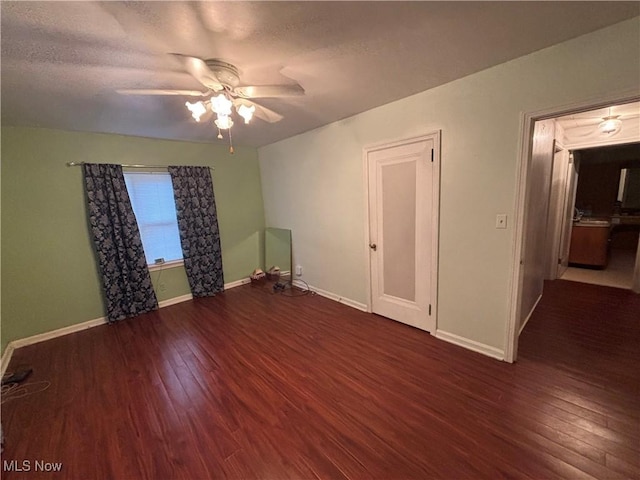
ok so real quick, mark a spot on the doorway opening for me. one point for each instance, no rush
(547, 198)
(606, 206)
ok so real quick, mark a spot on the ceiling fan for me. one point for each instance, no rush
(224, 90)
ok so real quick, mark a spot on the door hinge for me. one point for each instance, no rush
(559, 261)
(432, 154)
(429, 309)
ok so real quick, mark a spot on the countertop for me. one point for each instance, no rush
(592, 223)
(606, 222)
(625, 219)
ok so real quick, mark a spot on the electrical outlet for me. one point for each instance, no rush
(299, 270)
(501, 220)
(162, 287)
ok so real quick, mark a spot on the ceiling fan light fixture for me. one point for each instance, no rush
(610, 125)
(224, 91)
(197, 109)
(224, 72)
(224, 122)
(246, 112)
(221, 105)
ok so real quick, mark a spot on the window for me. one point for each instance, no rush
(152, 200)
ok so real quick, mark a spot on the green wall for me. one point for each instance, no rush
(49, 272)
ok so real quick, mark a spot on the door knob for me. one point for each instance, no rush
(373, 246)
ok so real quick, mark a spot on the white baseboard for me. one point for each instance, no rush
(524, 324)
(470, 344)
(237, 283)
(6, 358)
(41, 337)
(440, 334)
(332, 296)
(172, 301)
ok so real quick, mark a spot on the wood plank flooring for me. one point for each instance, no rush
(252, 385)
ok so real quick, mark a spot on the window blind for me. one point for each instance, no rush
(153, 204)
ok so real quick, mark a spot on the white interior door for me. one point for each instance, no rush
(403, 230)
(557, 211)
(567, 220)
(554, 220)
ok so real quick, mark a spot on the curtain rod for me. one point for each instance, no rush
(77, 164)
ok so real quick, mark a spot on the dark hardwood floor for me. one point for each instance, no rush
(252, 385)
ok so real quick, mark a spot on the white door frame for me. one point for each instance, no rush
(435, 219)
(571, 187)
(527, 120)
(555, 197)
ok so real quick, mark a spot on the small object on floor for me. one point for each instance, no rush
(17, 377)
(257, 274)
(273, 273)
(258, 277)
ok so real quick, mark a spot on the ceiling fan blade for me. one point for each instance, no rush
(263, 91)
(141, 91)
(201, 72)
(263, 113)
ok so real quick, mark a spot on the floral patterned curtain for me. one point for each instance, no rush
(198, 226)
(125, 276)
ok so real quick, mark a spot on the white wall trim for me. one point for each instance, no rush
(367, 227)
(527, 120)
(6, 358)
(237, 283)
(440, 334)
(41, 337)
(172, 301)
(526, 320)
(435, 224)
(478, 347)
(332, 296)
(515, 286)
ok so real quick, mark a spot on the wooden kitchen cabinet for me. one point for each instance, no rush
(589, 245)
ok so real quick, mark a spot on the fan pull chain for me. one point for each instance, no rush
(230, 143)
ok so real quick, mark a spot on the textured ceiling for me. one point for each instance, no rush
(62, 62)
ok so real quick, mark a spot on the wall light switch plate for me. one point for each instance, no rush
(501, 220)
